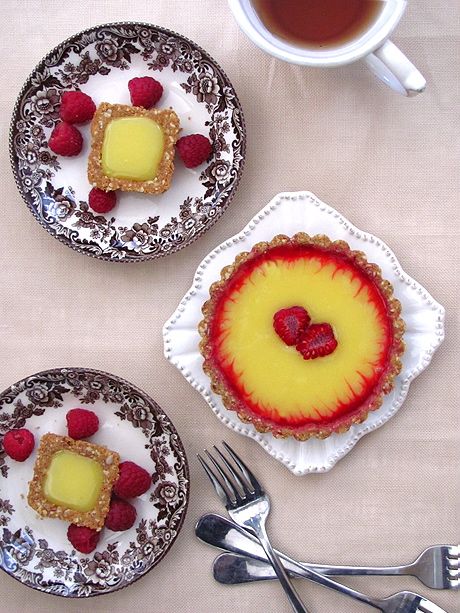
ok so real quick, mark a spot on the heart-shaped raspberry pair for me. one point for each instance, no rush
(294, 327)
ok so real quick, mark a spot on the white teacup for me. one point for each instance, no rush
(373, 46)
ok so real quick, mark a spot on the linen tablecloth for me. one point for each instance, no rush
(390, 165)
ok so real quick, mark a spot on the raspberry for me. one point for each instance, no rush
(76, 107)
(145, 91)
(83, 539)
(317, 341)
(81, 423)
(290, 323)
(65, 140)
(194, 149)
(101, 201)
(19, 444)
(132, 481)
(121, 516)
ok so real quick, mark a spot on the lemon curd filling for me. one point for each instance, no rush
(272, 377)
(73, 481)
(132, 148)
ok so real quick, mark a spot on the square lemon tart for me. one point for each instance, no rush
(132, 149)
(302, 336)
(73, 480)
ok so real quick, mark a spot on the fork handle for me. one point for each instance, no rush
(281, 573)
(344, 571)
(263, 571)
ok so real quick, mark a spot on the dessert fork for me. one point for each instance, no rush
(229, 567)
(437, 567)
(434, 568)
(248, 505)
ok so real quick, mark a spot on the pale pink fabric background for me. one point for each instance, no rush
(391, 166)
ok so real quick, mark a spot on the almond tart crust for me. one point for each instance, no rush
(336, 422)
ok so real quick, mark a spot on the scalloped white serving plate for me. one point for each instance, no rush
(288, 213)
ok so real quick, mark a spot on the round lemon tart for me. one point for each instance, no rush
(302, 336)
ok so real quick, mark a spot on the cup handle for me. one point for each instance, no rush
(391, 66)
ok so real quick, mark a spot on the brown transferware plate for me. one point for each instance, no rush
(100, 61)
(35, 550)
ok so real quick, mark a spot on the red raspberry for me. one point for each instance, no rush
(19, 444)
(76, 107)
(194, 149)
(81, 423)
(317, 341)
(65, 140)
(290, 323)
(101, 201)
(145, 91)
(121, 516)
(132, 481)
(82, 538)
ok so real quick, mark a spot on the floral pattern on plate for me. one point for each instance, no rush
(100, 61)
(36, 551)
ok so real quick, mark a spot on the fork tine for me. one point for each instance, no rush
(244, 469)
(216, 483)
(232, 490)
(231, 470)
(453, 551)
(452, 565)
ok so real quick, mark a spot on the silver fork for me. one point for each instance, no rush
(248, 505)
(230, 568)
(437, 567)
